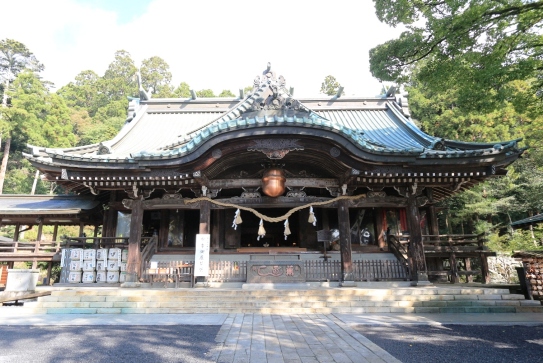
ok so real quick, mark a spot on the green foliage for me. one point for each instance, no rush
(156, 76)
(101, 131)
(16, 57)
(247, 90)
(205, 93)
(20, 177)
(330, 86)
(474, 46)
(182, 91)
(36, 116)
(227, 93)
(87, 93)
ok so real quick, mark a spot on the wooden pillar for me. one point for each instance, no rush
(81, 229)
(432, 219)
(469, 277)
(205, 217)
(347, 277)
(40, 230)
(16, 233)
(109, 224)
(49, 269)
(484, 269)
(55, 232)
(134, 241)
(416, 247)
(215, 230)
(163, 230)
(454, 268)
(380, 229)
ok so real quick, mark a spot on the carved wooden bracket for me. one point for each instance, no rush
(136, 193)
(200, 178)
(275, 149)
(250, 193)
(411, 190)
(296, 193)
(349, 176)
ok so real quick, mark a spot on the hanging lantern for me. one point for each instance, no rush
(273, 182)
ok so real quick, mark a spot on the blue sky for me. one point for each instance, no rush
(208, 44)
(126, 10)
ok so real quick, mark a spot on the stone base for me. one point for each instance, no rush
(276, 286)
(421, 279)
(24, 280)
(131, 285)
(201, 284)
(347, 284)
(421, 283)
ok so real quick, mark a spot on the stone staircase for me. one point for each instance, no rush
(283, 301)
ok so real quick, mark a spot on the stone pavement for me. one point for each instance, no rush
(278, 338)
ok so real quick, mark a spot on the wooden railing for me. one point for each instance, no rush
(399, 247)
(454, 243)
(236, 271)
(96, 242)
(31, 248)
(458, 246)
(147, 253)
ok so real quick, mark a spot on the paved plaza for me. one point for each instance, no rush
(238, 337)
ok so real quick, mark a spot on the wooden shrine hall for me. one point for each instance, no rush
(268, 171)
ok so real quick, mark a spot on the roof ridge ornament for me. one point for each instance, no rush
(270, 93)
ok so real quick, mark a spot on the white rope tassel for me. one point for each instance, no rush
(237, 219)
(287, 229)
(312, 219)
(261, 230)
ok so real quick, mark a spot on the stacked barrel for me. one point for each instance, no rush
(533, 267)
(96, 265)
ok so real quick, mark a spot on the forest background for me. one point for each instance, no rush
(472, 70)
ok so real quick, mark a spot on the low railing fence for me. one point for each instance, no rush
(236, 271)
(30, 247)
(96, 242)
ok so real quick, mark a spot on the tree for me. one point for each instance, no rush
(156, 76)
(205, 93)
(14, 58)
(330, 86)
(87, 92)
(35, 116)
(120, 81)
(227, 93)
(475, 46)
(182, 91)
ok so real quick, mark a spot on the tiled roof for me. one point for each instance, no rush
(527, 221)
(172, 128)
(41, 204)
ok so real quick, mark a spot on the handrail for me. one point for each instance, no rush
(398, 249)
(147, 253)
(29, 247)
(454, 241)
(95, 242)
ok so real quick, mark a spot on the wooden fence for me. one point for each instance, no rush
(30, 251)
(236, 271)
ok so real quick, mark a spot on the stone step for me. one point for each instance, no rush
(299, 310)
(322, 301)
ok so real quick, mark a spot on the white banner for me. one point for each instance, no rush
(201, 258)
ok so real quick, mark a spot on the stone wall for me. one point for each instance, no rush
(502, 269)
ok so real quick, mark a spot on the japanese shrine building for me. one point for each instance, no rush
(181, 167)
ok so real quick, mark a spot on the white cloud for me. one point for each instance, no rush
(209, 44)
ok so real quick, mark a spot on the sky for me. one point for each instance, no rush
(208, 44)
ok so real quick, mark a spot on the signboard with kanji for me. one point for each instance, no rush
(201, 258)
